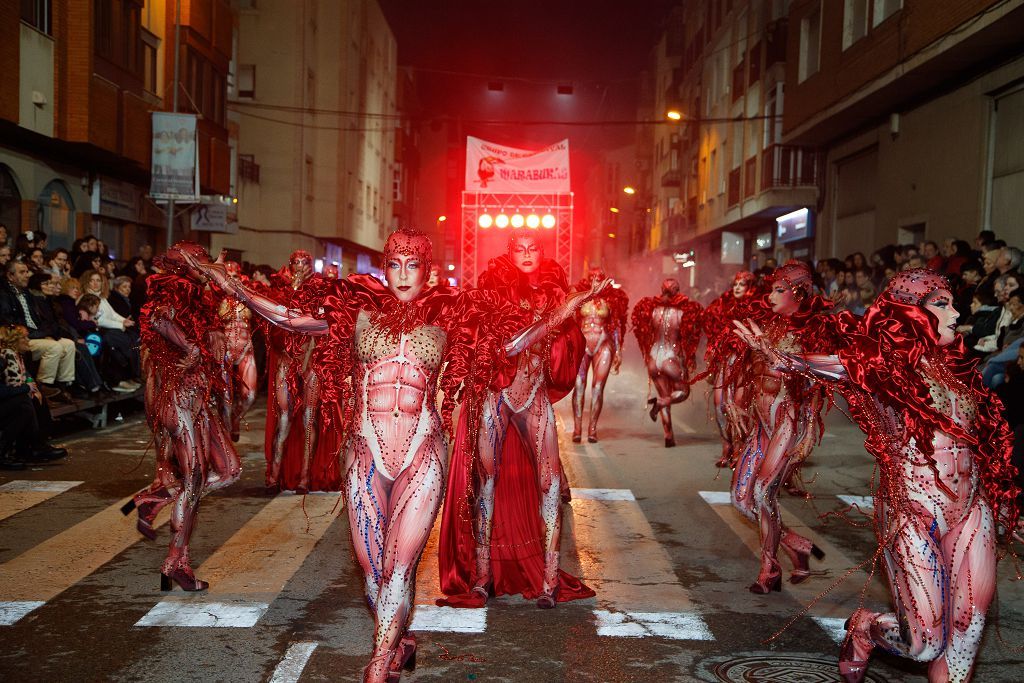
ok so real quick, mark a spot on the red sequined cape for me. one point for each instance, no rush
(517, 536)
(689, 329)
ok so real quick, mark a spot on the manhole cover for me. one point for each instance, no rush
(781, 669)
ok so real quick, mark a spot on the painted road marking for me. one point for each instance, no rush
(21, 494)
(638, 592)
(251, 569)
(865, 503)
(290, 668)
(45, 571)
(428, 616)
(11, 612)
(672, 625)
(174, 612)
(602, 494)
(833, 626)
(823, 574)
(449, 619)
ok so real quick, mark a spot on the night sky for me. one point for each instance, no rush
(599, 47)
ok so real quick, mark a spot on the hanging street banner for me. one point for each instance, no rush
(496, 168)
(175, 165)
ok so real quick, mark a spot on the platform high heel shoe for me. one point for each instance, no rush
(799, 550)
(148, 504)
(770, 578)
(548, 599)
(183, 576)
(856, 649)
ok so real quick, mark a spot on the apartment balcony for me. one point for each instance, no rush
(672, 178)
(248, 169)
(787, 166)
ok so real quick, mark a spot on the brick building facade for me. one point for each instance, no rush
(79, 81)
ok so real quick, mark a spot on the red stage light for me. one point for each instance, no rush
(517, 220)
(548, 221)
(485, 221)
(533, 221)
(501, 221)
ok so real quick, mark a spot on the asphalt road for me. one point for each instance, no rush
(649, 528)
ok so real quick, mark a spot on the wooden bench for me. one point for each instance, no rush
(99, 418)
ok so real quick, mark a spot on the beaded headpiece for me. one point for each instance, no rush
(915, 285)
(300, 254)
(670, 286)
(409, 242)
(744, 276)
(796, 275)
(172, 261)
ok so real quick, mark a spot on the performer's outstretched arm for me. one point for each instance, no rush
(265, 307)
(530, 335)
(819, 364)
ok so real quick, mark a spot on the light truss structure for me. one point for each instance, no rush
(475, 204)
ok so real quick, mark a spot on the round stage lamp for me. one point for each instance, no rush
(517, 220)
(485, 221)
(548, 221)
(533, 221)
(501, 221)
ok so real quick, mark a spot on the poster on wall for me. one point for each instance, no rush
(491, 167)
(214, 217)
(175, 161)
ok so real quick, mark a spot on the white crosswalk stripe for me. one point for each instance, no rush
(295, 659)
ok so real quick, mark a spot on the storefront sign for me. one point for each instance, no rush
(115, 199)
(794, 226)
(175, 166)
(496, 168)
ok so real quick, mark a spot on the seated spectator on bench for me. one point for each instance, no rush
(24, 417)
(54, 351)
(45, 288)
(119, 333)
(120, 293)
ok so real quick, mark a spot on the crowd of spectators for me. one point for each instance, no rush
(69, 333)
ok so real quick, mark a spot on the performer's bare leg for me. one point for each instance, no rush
(310, 411)
(579, 397)
(536, 425)
(283, 425)
(494, 421)
(602, 362)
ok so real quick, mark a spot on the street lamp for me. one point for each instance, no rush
(674, 114)
(629, 189)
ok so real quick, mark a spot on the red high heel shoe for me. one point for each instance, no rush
(184, 577)
(404, 659)
(856, 649)
(799, 550)
(768, 581)
(548, 600)
(148, 510)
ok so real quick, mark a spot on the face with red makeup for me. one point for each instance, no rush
(791, 285)
(301, 265)
(741, 283)
(407, 256)
(526, 253)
